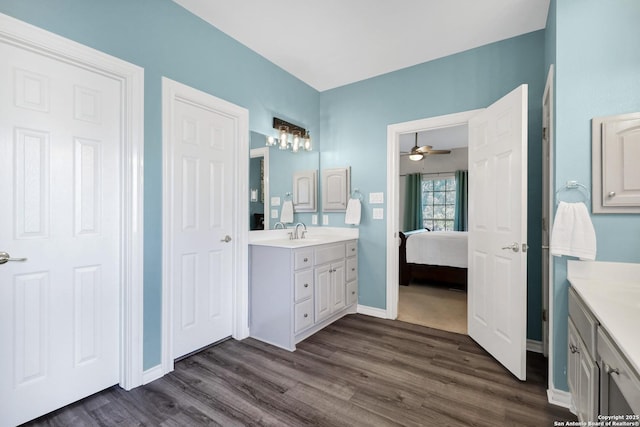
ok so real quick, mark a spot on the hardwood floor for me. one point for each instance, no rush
(360, 371)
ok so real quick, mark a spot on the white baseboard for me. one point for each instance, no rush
(534, 346)
(560, 398)
(372, 311)
(152, 374)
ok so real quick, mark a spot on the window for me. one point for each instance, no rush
(439, 203)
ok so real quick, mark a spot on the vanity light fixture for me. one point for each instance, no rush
(301, 140)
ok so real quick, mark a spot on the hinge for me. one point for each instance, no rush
(544, 224)
(544, 315)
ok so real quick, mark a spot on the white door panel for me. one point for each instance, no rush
(498, 230)
(60, 144)
(202, 156)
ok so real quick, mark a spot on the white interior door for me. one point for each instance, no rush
(60, 149)
(201, 240)
(497, 291)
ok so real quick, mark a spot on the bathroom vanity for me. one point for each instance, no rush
(603, 369)
(299, 286)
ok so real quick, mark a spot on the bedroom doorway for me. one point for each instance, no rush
(413, 303)
(433, 293)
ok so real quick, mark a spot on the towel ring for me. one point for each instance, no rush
(574, 185)
(356, 194)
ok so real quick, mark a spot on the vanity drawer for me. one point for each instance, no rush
(585, 323)
(303, 258)
(328, 253)
(303, 315)
(352, 248)
(352, 292)
(352, 269)
(303, 284)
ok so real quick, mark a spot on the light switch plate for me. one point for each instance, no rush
(375, 198)
(314, 219)
(325, 219)
(275, 201)
(378, 213)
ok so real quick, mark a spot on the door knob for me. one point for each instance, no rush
(226, 239)
(515, 247)
(5, 257)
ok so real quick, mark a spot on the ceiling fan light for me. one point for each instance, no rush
(416, 156)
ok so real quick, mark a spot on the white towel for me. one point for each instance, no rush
(286, 215)
(573, 233)
(354, 208)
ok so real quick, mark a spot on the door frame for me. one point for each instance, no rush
(172, 91)
(131, 79)
(393, 187)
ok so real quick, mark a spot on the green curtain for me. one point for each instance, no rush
(460, 222)
(413, 203)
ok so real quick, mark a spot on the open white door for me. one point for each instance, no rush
(497, 291)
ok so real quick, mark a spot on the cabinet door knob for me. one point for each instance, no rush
(353, 269)
(306, 285)
(306, 259)
(353, 292)
(573, 348)
(306, 315)
(612, 193)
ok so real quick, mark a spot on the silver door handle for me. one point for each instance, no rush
(5, 257)
(515, 247)
(226, 239)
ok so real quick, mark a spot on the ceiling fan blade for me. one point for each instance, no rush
(437, 152)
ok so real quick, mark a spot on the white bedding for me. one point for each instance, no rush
(438, 248)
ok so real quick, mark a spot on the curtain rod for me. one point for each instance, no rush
(431, 173)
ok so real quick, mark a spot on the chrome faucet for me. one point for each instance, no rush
(275, 227)
(303, 231)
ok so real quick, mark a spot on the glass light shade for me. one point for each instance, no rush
(296, 141)
(271, 141)
(283, 132)
(416, 156)
(306, 142)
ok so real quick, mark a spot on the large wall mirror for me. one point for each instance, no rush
(271, 178)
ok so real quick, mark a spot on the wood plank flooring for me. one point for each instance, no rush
(360, 371)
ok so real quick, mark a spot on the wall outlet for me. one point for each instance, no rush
(274, 213)
(314, 219)
(325, 219)
(378, 213)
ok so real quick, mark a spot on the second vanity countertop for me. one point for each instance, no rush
(314, 236)
(611, 290)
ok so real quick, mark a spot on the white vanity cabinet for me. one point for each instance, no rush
(582, 370)
(295, 292)
(601, 379)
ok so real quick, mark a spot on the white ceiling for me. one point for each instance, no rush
(331, 43)
(447, 138)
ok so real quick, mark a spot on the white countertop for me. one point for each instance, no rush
(611, 290)
(314, 236)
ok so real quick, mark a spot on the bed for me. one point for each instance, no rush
(438, 256)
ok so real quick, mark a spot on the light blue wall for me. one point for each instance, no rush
(166, 40)
(354, 122)
(597, 55)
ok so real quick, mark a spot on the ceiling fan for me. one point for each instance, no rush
(418, 153)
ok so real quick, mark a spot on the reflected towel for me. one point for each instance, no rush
(573, 233)
(352, 216)
(286, 215)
